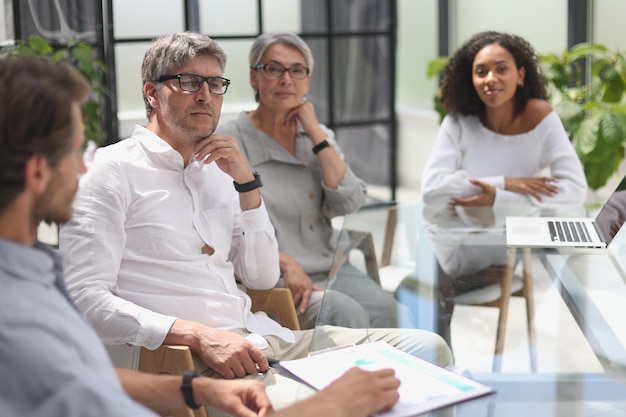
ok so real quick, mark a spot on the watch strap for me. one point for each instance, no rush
(249, 186)
(322, 145)
(187, 389)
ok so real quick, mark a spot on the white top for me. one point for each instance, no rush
(133, 246)
(466, 149)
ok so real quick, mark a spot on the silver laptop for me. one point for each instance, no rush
(563, 232)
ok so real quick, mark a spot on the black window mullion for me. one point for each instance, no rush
(329, 64)
(393, 125)
(578, 12)
(192, 15)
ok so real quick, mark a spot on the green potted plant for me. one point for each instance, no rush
(82, 56)
(593, 110)
(591, 104)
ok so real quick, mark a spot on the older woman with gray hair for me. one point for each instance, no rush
(306, 183)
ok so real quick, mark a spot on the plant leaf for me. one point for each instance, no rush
(586, 136)
(598, 172)
(612, 128)
(613, 90)
(39, 45)
(59, 55)
(81, 55)
(436, 65)
(583, 50)
(570, 112)
(557, 73)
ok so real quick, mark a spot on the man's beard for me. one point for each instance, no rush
(54, 205)
(191, 135)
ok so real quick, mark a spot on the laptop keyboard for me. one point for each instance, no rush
(568, 231)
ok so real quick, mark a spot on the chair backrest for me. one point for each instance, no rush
(278, 304)
(360, 240)
(363, 241)
(170, 360)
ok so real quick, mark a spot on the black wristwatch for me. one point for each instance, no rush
(187, 389)
(322, 145)
(249, 186)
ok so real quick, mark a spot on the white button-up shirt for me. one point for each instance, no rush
(134, 246)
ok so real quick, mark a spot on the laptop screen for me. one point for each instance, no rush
(613, 213)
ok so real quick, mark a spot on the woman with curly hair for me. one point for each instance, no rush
(501, 142)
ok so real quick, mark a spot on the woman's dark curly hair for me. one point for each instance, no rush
(458, 95)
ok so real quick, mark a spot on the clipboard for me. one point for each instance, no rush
(424, 387)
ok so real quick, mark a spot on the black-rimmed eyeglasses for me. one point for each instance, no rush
(275, 70)
(193, 82)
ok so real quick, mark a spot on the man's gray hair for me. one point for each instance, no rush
(172, 51)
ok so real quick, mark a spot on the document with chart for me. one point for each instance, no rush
(424, 386)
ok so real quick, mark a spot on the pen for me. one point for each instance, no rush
(274, 363)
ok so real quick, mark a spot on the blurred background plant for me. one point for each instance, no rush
(591, 104)
(80, 54)
(587, 88)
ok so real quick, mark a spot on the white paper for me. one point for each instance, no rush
(424, 386)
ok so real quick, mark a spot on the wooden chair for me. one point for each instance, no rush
(278, 304)
(175, 359)
(363, 241)
(494, 295)
(496, 292)
(357, 240)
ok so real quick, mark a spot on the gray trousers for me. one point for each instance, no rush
(353, 300)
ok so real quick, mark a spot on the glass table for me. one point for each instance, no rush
(543, 327)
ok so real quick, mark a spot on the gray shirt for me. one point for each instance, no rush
(300, 205)
(51, 362)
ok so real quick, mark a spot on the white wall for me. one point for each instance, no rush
(543, 23)
(417, 45)
(608, 25)
(417, 130)
(6, 21)
(417, 122)
(3, 29)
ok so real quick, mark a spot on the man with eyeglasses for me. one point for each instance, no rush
(165, 219)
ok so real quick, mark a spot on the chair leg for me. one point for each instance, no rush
(530, 306)
(390, 232)
(505, 297)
